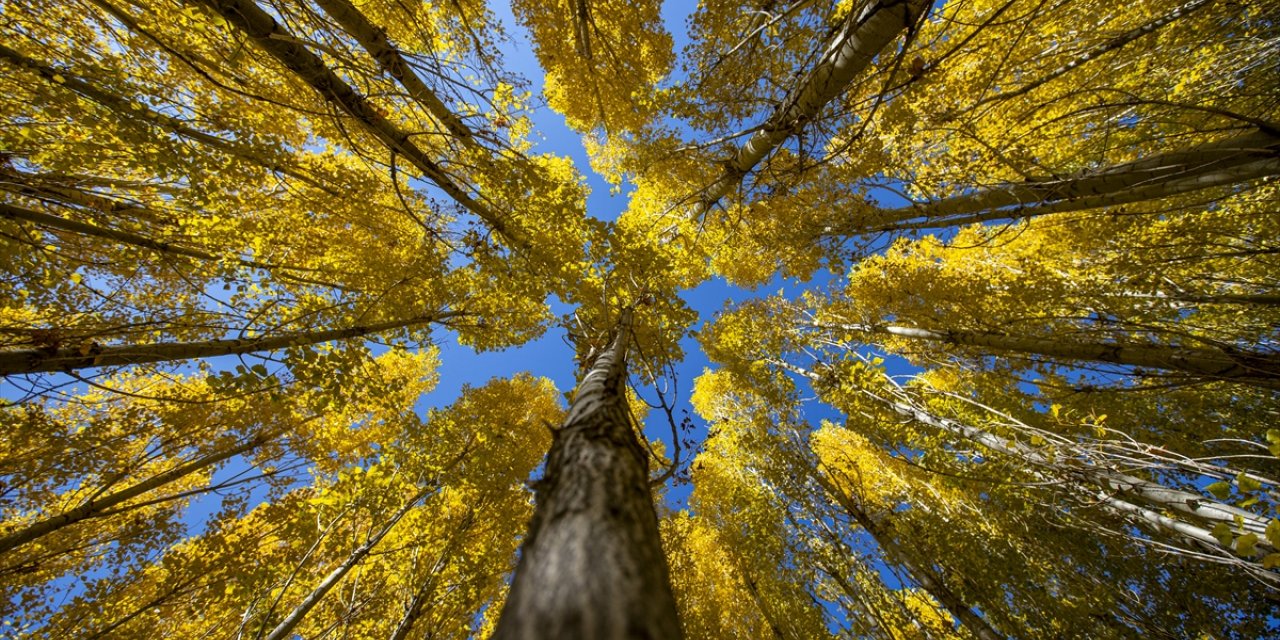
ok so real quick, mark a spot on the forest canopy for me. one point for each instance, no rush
(1001, 359)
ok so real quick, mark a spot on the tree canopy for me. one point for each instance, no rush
(1002, 358)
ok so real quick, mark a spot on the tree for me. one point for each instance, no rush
(232, 231)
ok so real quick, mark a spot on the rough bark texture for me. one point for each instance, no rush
(592, 567)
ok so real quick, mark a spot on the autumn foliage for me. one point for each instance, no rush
(1003, 361)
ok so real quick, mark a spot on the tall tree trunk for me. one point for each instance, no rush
(135, 110)
(290, 621)
(1235, 160)
(272, 38)
(97, 506)
(592, 567)
(1096, 483)
(374, 40)
(1113, 482)
(862, 37)
(1260, 369)
(89, 354)
(923, 575)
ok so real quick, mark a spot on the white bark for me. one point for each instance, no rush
(285, 628)
(1261, 369)
(1114, 482)
(1236, 160)
(860, 39)
(86, 355)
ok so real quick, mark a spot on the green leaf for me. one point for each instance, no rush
(1273, 533)
(1247, 483)
(1247, 544)
(1223, 533)
(1220, 489)
(1271, 561)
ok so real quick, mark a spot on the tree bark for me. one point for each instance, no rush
(860, 39)
(286, 626)
(1261, 369)
(592, 567)
(923, 575)
(263, 29)
(1111, 482)
(96, 507)
(1235, 160)
(90, 354)
(375, 41)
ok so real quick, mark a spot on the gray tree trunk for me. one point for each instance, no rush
(923, 575)
(90, 354)
(1237, 160)
(1261, 369)
(99, 506)
(277, 42)
(862, 37)
(592, 567)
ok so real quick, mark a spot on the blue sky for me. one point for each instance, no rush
(551, 356)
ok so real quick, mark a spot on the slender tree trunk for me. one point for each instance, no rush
(1235, 160)
(1113, 481)
(96, 507)
(1260, 369)
(286, 626)
(60, 223)
(88, 355)
(1086, 480)
(375, 41)
(272, 38)
(139, 111)
(592, 567)
(923, 575)
(860, 39)
(417, 604)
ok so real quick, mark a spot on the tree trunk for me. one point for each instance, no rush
(375, 41)
(923, 575)
(130, 109)
(1235, 160)
(861, 38)
(592, 567)
(96, 507)
(286, 626)
(1260, 369)
(263, 29)
(1087, 480)
(90, 354)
